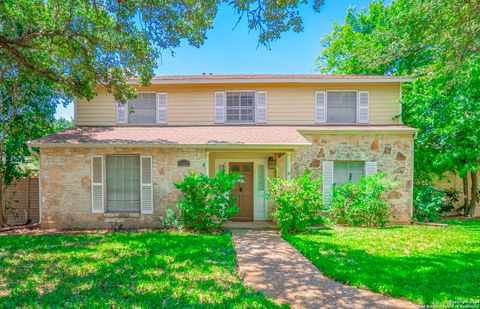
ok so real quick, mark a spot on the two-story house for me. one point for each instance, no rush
(119, 163)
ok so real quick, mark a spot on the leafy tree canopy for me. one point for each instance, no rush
(77, 44)
(438, 42)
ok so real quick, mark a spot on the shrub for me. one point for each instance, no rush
(361, 203)
(207, 202)
(296, 202)
(171, 220)
(429, 203)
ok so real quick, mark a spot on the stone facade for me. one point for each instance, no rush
(65, 176)
(393, 154)
(65, 181)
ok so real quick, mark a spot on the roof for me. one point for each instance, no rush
(198, 136)
(272, 78)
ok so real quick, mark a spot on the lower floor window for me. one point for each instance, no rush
(347, 171)
(123, 183)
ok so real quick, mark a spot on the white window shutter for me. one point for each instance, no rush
(122, 112)
(262, 107)
(363, 103)
(97, 185)
(320, 107)
(370, 168)
(161, 108)
(219, 116)
(327, 187)
(146, 192)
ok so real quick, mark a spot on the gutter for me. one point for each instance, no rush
(364, 131)
(266, 81)
(153, 145)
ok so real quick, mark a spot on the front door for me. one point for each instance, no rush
(243, 191)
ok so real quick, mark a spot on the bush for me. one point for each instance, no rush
(361, 203)
(207, 202)
(171, 221)
(296, 202)
(429, 204)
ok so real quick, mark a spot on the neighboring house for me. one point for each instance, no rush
(119, 163)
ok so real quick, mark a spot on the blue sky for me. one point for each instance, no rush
(230, 50)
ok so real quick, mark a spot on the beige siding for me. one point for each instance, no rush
(288, 104)
(100, 111)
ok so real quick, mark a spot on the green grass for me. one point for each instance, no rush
(424, 264)
(150, 269)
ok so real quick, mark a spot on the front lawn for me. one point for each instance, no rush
(149, 269)
(428, 265)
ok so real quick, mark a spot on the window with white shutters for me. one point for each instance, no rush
(347, 171)
(327, 185)
(363, 112)
(97, 184)
(143, 109)
(240, 107)
(161, 108)
(320, 107)
(261, 107)
(370, 168)
(341, 107)
(219, 112)
(123, 183)
(147, 185)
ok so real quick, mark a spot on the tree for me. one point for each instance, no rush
(54, 50)
(78, 44)
(26, 115)
(438, 42)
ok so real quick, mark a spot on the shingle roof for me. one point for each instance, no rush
(199, 136)
(266, 78)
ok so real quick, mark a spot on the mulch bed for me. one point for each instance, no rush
(34, 229)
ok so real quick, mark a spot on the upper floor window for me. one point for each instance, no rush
(142, 110)
(240, 107)
(341, 106)
(146, 109)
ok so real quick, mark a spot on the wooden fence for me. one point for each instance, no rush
(23, 198)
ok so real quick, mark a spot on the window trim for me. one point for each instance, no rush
(356, 106)
(156, 110)
(254, 108)
(105, 186)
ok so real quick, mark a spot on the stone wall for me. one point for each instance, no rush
(65, 179)
(393, 154)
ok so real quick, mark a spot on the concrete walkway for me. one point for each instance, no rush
(271, 265)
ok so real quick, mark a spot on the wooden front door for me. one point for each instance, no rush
(243, 191)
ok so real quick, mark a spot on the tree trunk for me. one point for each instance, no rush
(473, 195)
(3, 219)
(465, 195)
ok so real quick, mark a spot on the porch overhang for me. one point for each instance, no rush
(206, 137)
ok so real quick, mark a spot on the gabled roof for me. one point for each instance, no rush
(272, 78)
(239, 136)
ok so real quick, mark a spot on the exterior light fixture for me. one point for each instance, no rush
(271, 162)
